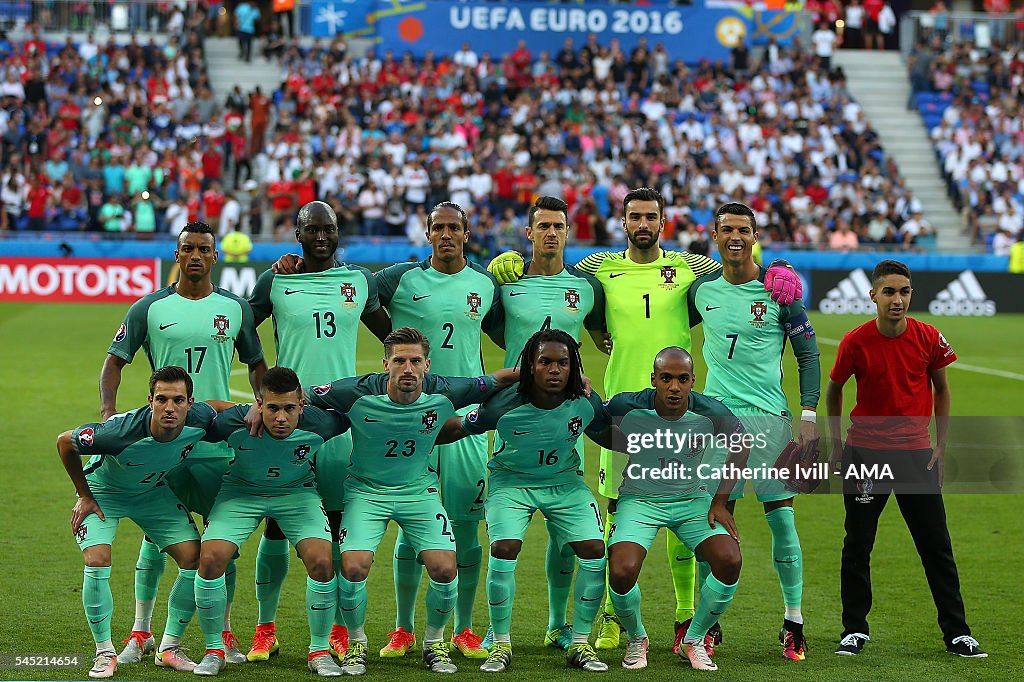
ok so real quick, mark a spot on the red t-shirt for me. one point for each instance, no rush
(873, 7)
(213, 203)
(894, 391)
(37, 197)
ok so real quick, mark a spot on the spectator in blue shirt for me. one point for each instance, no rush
(246, 17)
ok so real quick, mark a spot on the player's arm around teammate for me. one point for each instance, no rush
(271, 476)
(645, 506)
(131, 453)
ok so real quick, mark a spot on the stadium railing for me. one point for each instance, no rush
(982, 29)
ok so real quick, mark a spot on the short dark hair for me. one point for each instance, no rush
(169, 375)
(574, 387)
(736, 208)
(447, 204)
(198, 227)
(280, 380)
(889, 267)
(644, 194)
(406, 336)
(547, 204)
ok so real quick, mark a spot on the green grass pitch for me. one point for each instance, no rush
(50, 365)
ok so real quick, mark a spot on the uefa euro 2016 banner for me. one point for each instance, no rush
(691, 32)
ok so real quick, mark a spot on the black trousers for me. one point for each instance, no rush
(925, 516)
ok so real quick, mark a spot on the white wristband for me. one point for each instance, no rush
(808, 416)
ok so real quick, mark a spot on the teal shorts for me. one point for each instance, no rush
(570, 509)
(462, 471)
(422, 519)
(198, 481)
(159, 514)
(238, 512)
(638, 519)
(777, 432)
(332, 461)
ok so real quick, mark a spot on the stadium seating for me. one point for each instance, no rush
(982, 118)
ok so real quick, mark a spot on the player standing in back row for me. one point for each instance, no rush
(451, 301)
(745, 335)
(316, 314)
(551, 295)
(198, 326)
(645, 290)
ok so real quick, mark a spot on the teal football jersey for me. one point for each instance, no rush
(745, 333)
(571, 301)
(391, 443)
(316, 318)
(200, 336)
(125, 458)
(701, 435)
(534, 447)
(451, 310)
(267, 463)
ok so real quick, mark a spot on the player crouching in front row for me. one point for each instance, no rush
(271, 476)
(131, 453)
(647, 504)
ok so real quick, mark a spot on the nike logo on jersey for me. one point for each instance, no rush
(519, 433)
(709, 308)
(420, 298)
(289, 292)
(368, 420)
(616, 274)
(518, 293)
(166, 326)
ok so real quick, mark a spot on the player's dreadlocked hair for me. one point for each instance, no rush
(644, 194)
(574, 387)
(406, 336)
(169, 375)
(280, 380)
(447, 204)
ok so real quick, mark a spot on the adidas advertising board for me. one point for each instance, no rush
(966, 293)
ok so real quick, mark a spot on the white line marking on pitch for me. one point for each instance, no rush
(956, 365)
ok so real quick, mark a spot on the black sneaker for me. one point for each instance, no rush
(852, 644)
(966, 646)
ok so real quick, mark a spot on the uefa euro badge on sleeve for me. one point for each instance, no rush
(803, 472)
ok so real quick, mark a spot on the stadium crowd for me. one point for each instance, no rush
(128, 138)
(970, 99)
